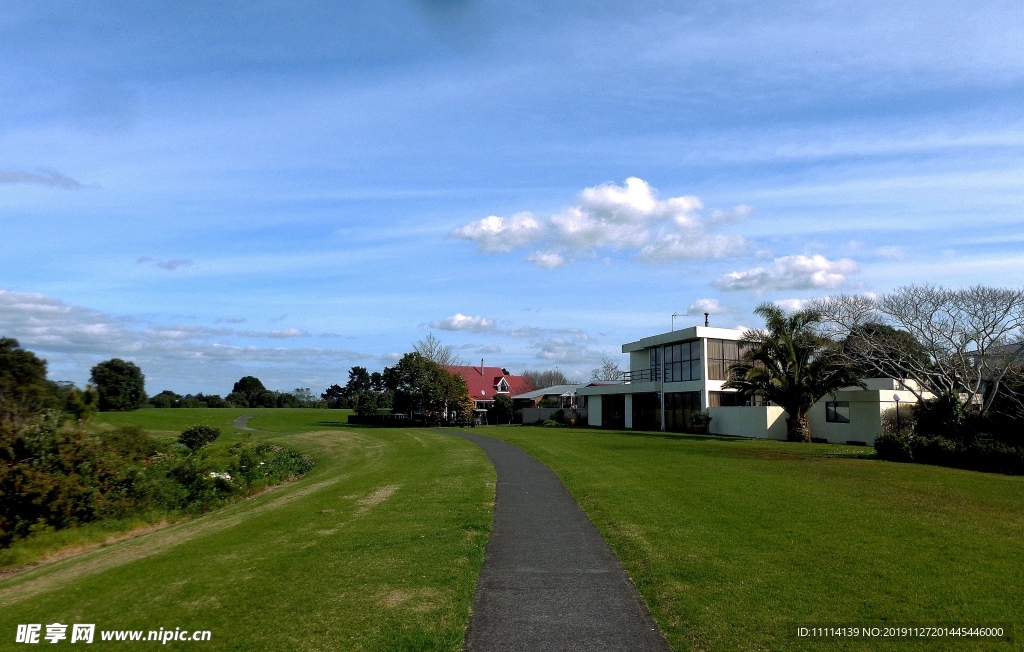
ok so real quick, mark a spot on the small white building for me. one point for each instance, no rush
(674, 374)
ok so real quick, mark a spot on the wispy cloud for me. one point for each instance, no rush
(43, 323)
(791, 273)
(42, 177)
(610, 217)
(169, 265)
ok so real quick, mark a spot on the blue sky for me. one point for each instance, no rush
(288, 189)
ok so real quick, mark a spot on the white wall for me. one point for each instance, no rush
(763, 422)
(594, 411)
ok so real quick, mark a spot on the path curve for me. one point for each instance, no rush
(241, 423)
(549, 580)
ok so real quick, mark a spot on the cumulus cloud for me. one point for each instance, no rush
(495, 234)
(546, 259)
(461, 322)
(791, 273)
(792, 305)
(607, 217)
(42, 177)
(710, 306)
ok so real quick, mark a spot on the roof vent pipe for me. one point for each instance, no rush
(706, 318)
(481, 366)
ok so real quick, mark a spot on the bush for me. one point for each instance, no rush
(893, 447)
(197, 436)
(945, 416)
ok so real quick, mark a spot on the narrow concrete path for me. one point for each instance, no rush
(550, 581)
(242, 422)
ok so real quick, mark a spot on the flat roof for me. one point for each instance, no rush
(683, 335)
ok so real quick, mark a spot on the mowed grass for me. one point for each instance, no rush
(377, 548)
(733, 542)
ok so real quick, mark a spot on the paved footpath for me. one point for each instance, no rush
(550, 581)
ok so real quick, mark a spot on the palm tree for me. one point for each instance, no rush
(791, 365)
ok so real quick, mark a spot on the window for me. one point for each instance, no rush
(679, 409)
(837, 411)
(722, 354)
(655, 362)
(682, 362)
(733, 399)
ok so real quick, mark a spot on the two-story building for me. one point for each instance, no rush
(671, 376)
(674, 374)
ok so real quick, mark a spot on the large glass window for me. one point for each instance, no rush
(837, 411)
(722, 354)
(679, 409)
(655, 362)
(682, 362)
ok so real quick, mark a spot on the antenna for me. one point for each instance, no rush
(674, 315)
(706, 315)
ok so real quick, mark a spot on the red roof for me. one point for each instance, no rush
(484, 386)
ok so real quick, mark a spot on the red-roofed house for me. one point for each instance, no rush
(484, 383)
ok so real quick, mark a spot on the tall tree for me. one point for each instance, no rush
(792, 365)
(251, 388)
(949, 341)
(121, 385)
(358, 381)
(542, 379)
(432, 349)
(609, 370)
(419, 383)
(24, 391)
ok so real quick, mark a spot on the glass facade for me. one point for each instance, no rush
(679, 409)
(722, 354)
(647, 411)
(682, 362)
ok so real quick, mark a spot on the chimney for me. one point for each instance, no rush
(481, 366)
(706, 318)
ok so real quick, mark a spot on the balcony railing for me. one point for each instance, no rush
(640, 376)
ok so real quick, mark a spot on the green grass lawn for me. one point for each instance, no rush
(732, 542)
(377, 548)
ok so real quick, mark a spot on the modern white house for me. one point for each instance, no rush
(675, 374)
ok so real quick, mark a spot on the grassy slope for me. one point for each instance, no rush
(378, 548)
(730, 541)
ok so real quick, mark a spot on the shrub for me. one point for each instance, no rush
(197, 436)
(700, 418)
(893, 447)
(945, 416)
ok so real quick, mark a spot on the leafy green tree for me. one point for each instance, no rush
(166, 399)
(265, 399)
(420, 384)
(236, 399)
(358, 382)
(335, 397)
(790, 364)
(82, 404)
(24, 391)
(121, 385)
(197, 436)
(501, 409)
(366, 403)
(250, 387)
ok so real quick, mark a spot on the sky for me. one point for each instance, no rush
(217, 189)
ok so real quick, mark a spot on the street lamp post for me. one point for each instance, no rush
(899, 430)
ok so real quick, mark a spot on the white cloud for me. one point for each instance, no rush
(710, 306)
(546, 259)
(629, 217)
(461, 322)
(495, 234)
(792, 305)
(75, 338)
(791, 273)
